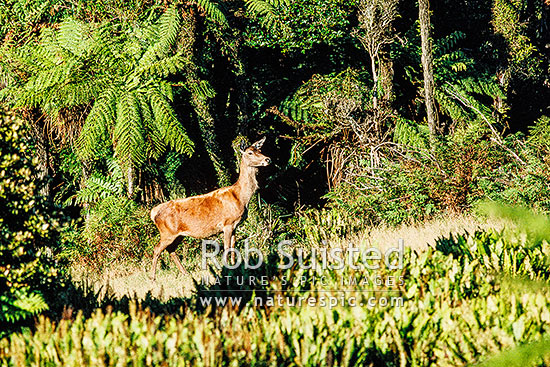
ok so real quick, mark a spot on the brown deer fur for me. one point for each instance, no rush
(205, 215)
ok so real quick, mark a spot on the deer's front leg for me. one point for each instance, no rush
(229, 241)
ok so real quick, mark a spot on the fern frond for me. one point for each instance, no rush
(167, 29)
(213, 11)
(21, 305)
(163, 67)
(169, 26)
(98, 187)
(410, 134)
(95, 131)
(166, 121)
(166, 90)
(201, 88)
(128, 139)
(451, 107)
(73, 36)
(153, 135)
(265, 10)
(446, 44)
(296, 108)
(116, 172)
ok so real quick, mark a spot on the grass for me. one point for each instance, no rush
(133, 281)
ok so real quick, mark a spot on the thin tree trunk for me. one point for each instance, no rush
(130, 178)
(42, 150)
(375, 82)
(386, 74)
(427, 67)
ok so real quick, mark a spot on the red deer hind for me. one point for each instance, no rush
(205, 215)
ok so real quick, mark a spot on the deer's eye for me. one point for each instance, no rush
(249, 153)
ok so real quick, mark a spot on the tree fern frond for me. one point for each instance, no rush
(296, 108)
(266, 11)
(167, 29)
(79, 93)
(213, 11)
(169, 26)
(95, 131)
(166, 121)
(410, 134)
(153, 135)
(129, 142)
(21, 305)
(115, 171)
(163, 67)
(73, 36)
(446, 44)
(166, 90)
(201, 88)
(98, 187)
(450, 107)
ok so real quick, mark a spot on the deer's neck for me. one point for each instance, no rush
(247, 183)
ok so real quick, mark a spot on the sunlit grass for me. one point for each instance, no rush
(131, 280)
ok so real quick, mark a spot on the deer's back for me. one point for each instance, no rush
(199, 216)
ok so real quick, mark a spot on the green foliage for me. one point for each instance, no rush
(298, 25)
(513, 256)
(28, 229)
(539, 135)
(266, 11)
(122, 71)
(530, 354)
(98, 187)
(418, 184)
(117, 230)
(410, 134)
(507, 19)
(452, 313)
(323, 108)
(535, 226)
(20, 305)
(17, 17)
(523, 185)
(462, 86)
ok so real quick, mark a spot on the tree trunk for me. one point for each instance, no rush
(131, 179)
(427, 67)
(207, 128)
(43, 153)
(375, 81)
(200, 103)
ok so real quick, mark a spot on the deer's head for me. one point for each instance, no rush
(252, 157)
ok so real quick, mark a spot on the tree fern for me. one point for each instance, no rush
(456, 79)
(120, 71)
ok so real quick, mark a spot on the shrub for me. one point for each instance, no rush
(116, 230)
(419, 184)
(28, 229)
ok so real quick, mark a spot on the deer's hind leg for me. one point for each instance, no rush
(163, 244)
(172, 251)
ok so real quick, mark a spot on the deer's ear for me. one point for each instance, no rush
(259, 143)
(243, 146)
